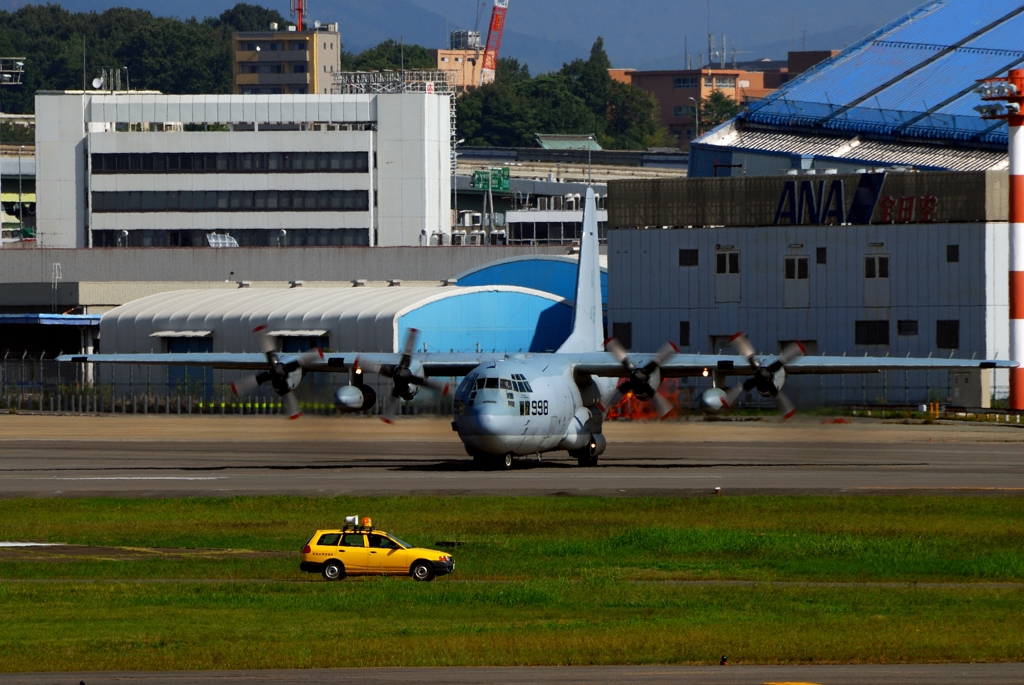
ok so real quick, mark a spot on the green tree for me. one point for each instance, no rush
(389, 55)
(246, 17)
(580, 98)
(510, 71)
(717, 108)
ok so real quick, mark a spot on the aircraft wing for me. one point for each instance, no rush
(684, 365)
(437, 365)
(594, 363)
(243, 360)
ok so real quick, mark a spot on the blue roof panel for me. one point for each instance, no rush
(839, 94)
(952, 21)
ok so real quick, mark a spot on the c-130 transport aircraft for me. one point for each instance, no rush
(513, 405)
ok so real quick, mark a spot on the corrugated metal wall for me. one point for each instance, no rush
(650, 290)
(755, 201)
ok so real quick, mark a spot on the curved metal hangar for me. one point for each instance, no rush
(474, 319)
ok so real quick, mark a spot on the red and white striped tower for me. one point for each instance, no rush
(1011, 91)
(1016, 122)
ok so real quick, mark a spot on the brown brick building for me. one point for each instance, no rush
(680, 91)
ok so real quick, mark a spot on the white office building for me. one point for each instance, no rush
(143, 169)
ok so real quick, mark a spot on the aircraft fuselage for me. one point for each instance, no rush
(522, 406)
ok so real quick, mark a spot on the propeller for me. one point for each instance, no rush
(407, 377)
(642, 381)
(284, 377)
(766, 379)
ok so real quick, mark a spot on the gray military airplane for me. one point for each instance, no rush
(510, 406)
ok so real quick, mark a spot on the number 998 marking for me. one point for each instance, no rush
(539, 408)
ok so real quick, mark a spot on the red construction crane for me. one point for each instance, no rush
(494, 34)
(299, 9)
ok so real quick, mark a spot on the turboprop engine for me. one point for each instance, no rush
(354, 398)
(768, 380)
(713, 401)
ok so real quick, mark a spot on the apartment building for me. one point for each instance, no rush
(286, 62)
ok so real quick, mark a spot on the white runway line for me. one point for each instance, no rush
(31, 544)
(134, 478)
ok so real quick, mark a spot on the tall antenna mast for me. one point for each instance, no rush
(298, 11)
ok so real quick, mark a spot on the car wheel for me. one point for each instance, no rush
(422, 571)
(505, 462)
(333, 570)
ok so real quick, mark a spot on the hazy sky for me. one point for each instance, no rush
(544, 33)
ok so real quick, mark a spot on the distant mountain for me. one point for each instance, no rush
(832, 40)
(544, 34)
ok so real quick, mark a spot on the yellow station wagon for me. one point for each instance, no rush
(361, 550)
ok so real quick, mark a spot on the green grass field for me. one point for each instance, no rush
(538, 581)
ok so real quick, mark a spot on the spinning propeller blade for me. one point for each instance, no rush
(279, 374)
(643, 381)
(765, 380)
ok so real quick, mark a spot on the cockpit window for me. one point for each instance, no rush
(527, 386)
(506, 384)
(480, 383)
(491, 383)
(466, 385)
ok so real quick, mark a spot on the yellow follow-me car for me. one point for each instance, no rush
(361, 550)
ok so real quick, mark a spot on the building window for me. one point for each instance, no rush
(110, 202)
(872, 333)
(231, 162)
(709, 82)
(906, 327)
(797, 268)
(685, 82)
(689, 134)
(444, 59)
(953, 254)
(623, 332)
(876, 266)
(947, 335)
(822, 255)
(727, 263)
(684, 333)
(689, 258)
(677, 133)
(679, 111)
(296, 237)
(298, 68)
(725, 82)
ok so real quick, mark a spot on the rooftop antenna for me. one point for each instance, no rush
(723, 51)
(298, 11)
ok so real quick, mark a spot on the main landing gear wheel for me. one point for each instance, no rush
(422, 571)
(583, 457)
(505, 462)
(333, 570)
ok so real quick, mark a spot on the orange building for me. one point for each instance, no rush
(680, 91)
(465, 64)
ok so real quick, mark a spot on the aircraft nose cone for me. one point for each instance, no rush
(486, 432)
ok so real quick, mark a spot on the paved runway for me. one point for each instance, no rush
(927, 674)
(169, 456)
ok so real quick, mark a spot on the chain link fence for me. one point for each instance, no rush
(46, 385)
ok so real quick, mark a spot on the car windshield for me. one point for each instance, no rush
(403, 543)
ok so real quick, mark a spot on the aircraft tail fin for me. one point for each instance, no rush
(588, 319)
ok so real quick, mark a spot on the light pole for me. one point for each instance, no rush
(590, 167)
(21, 202)
(696, 113)
(455, 177)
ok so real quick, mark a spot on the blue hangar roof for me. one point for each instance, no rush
(555, 274)
(909, 82)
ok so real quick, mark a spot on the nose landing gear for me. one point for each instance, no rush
(588, 455)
